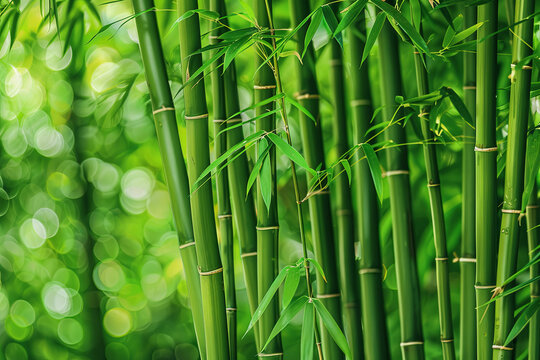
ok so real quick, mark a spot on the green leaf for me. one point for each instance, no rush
(318, 267)
(297, 105)
(14, 25)
(248, 140)
(448, 36)
(259, 104)
(234, 49)
(347, 168)
(333, 328)
(290, 286)
(265, 176)
(290, 152)
(351, 13)
(512, 290)
(263, 304)
(375, 168)
(308, 333)
(286, 316)
(373, 34)
(312, 29)
(523, 320)
(535, 260)
(211, 15)
(462, 35)
(234, 35)
(331, 21)
(256, 170)
(411, 32)
(458, 104)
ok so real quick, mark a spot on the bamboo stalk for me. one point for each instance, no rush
(222, 183)
(171, 155)
(198, 159)
(486, 176)
(412, 344)
(367, 208)
(533, 236)
(350, 306)
(319, 205)
(243, 208)
(514, 173)
(267, 219)
(437, 213)
(467, 260)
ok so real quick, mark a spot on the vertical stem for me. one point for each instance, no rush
(397, 172)
(486, 176)
(467, 260)
(242, 204)
(367, 214)
(520, 88)
(267, 220)
(344, 215)
(222, 183)
(171, 155)
(437, 212)
(198, 159)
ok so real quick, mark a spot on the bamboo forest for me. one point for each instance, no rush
(269, 179)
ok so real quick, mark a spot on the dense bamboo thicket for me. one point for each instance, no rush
(271, 179)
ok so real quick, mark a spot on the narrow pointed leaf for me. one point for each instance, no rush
(523, 320)
(308, 333)
(351, 14)
(333, 328)
(268, 297)
(288, 314)
(373, 34)
(290, 152)
(374, 168)
(318, 267)
(290, 286)
(312, 29)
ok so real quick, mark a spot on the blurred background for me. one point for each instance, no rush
(89, 259)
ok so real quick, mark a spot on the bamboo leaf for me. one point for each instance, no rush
(234, 35)
(318, 267)
(462, 35)
(512, 290)
(332, 327)
(234, 49)
(259, 104)
(535, 260)
(448, 36)
(248, 140)
(523, 320)
(286, 316)
(458, 104)
(312, 29)
(308, 333)
(290, 152)
(375, 169)
(351, 13)
(256, 170)
(331, 21)
(265, 175)
(290, 286)
(411, 32)
(347, 168)
(212, 15)
(263, 304)
(373, 34)
(299, 106)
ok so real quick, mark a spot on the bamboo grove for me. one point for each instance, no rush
(352, 179)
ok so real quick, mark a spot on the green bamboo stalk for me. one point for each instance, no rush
(267, 220)
(467, 261)
(171, 155)
(533, 236)
(486, 176)
(514, 173)
(437, 213)
(222, 183)
(198, 159)
(344, 227)
(397, 172)
(367, 213)
(243, 208)
(319, 204)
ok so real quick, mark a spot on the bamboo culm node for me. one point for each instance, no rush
(490, 149)
(196, 117)
(211, 272)
(395, 172)
(162, 109)
(501, 347)
(183, 246)
(411, 343)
